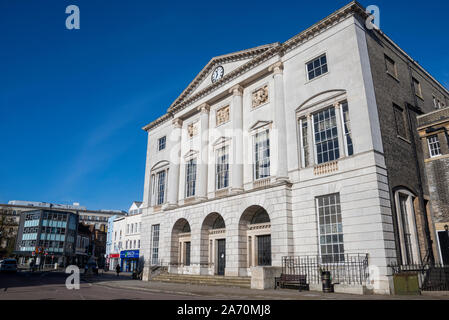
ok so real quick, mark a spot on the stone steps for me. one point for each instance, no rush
(242, 282)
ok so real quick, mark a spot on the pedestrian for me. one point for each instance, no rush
(32, 265)
(117, 269)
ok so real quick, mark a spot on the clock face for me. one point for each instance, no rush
(217, 74)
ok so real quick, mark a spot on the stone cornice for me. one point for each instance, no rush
(177, 123)
(227, 78)
(236, 90)
(349, 10)
(204, 108)
(260, 55)
(231, 57)
(276, 68)
(158, 121)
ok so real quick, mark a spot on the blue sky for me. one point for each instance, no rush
(73, 102)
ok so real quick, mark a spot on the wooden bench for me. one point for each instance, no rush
(297, 280)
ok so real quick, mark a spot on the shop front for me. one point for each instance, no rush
(129, 260)
(114, 259)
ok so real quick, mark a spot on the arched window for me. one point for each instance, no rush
(219, 223)
(408, 238)
(261, 216)
(186, 228)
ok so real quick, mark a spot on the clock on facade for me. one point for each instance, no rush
(217, 74)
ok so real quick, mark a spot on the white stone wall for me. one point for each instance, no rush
(360, 179)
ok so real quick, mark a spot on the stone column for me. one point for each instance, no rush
(279, 121)
(173, 175)
(340, 130)
(204, 154)
(237, 120)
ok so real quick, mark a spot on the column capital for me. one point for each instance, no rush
(204, 108)
(236, 90)
(337, 105)
(276, 68)
(177, 123)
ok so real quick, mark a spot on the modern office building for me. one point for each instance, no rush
(302, 148)
(110, 252)
(96, 218)
(48, 236)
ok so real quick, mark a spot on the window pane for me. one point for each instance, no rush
(222, 168)
(326, 138)
(160, 187)
(262, 155)
(331, 233)
(317, 67)
(191, 178)
(434, 146)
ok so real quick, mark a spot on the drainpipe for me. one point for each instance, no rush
(430, 257)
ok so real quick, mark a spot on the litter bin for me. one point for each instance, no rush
(326, 281)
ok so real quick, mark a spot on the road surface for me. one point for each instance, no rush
(51, 286)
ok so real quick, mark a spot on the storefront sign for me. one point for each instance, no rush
(129, 254)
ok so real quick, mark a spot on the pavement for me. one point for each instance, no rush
(110, 280)
(51, 286)
(107, 286)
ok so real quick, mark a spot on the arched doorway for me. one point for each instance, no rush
(180, 244)
(213, 245)
(254, 239)
(406, 221)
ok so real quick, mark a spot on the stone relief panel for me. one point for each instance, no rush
(192, 129)
(222, 115)
(260, 96)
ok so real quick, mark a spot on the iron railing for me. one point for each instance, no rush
(351, 270)
(431, 277)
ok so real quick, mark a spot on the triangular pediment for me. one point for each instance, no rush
(260, 124)
(221, 140)
(230, 63)
(190, 153)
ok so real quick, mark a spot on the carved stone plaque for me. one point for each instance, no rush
(192, 129)
(260, 96)
(222, 115)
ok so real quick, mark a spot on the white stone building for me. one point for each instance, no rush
(270, 152)
(125, 239)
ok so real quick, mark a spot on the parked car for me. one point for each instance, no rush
(92, 265)
(8, 265)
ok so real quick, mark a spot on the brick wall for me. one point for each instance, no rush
(399, 151)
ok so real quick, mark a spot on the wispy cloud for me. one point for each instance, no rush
(96, 153)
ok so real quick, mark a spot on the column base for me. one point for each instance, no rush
(279, 179)
(236, 190)
(169, 206)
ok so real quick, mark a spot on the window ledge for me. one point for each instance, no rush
(419, 96)
(263, 182)
(393, 76)
(404, 139)
(316, 78)
(430, 159)
(325, 168)
(221, 192)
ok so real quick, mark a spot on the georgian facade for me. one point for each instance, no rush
(273, 151)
